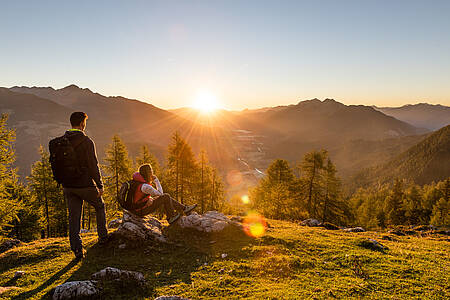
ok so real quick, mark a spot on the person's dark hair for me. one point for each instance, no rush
(77, 118)
(146, 171)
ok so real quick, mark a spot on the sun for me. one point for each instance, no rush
(206, 102)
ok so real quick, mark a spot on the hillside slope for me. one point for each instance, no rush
(423, 163)
(289, 262)
(422, 115)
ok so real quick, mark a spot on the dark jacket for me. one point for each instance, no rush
(87, 156)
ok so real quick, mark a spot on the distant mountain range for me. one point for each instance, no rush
(356, 136)
(422, 115)
(427, 161)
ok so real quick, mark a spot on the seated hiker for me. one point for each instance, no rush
(149, 199)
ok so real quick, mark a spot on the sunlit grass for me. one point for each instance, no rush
(287, 262)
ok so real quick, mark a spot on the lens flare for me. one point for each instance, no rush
(234, 178)
(254, 225)
(245, 199)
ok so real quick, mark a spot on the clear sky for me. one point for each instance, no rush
(246, 53)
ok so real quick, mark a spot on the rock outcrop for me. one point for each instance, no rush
(373, 245)
(211, 221)
(76, 290)
(311, 222)
(136, 229)
(355, 229)
(91, 289)
(117, 275)
(8, 244)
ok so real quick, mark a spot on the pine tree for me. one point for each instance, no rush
(312, 168)
(118, 169)
(49, 196)
(413, 205)
(274, 194)
(8, 178)
(394, 204)
(217, 200)
(181, 168)
(334, 208)
(441, 213)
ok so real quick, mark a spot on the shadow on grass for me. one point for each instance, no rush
(47, 283)
(15, 259)
(161, 264)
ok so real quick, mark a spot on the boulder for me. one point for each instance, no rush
(311, 222)
(330, 226)
(120, 276)
(139, 229)
(171, 298)
(388, 238)
(211, 221)
(19, 274)
(8, 244)
(114, 223)
(354, 229)
(76, 290)
(372, 245)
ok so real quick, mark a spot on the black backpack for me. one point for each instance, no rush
(65, 164)
(126, 195)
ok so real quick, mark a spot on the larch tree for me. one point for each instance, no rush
(181, 168)
(8, 178)
(49, 196)
(311, 170)
(118, 169)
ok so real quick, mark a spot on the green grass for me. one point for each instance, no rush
(289, 262)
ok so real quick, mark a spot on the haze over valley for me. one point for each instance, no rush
(356, 136)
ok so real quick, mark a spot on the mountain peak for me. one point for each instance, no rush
(71, 87)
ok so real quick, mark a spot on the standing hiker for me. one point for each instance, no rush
(75, 166)
(147, 199)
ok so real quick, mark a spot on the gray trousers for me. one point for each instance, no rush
(75, 197)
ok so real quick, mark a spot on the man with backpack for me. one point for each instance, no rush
(75, 167)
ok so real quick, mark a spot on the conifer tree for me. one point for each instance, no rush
(181, 168)
(441, 213)
(274, 194)
(334, 208)
(118, 169)
(312, 168)
(8, 206)
(394, 204)
(49, 196)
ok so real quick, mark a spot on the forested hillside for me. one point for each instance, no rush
(423, 163)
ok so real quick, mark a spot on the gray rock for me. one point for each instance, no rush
(171, 298)
(211, 221)
(140, 229)
(114, 223)
(8, 244)
(114, 274)
(76, 290)
(19, 274)
(355, 229)
(311, 222)
(373, 245)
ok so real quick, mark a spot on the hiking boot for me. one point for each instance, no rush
(173, 219)
(104, 240)
(79, 254)
(188, 209)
